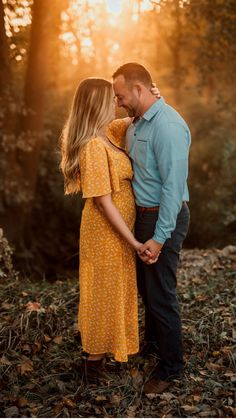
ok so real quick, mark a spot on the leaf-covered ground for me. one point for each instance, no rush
(40, 353)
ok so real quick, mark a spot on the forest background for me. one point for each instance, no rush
(48, 46)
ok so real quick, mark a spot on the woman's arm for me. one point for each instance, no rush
(107, 207)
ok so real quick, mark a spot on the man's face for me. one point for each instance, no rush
(126, 96)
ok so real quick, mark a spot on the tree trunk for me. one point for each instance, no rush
(7, 124)
(176, 53)
(5, 71)
(45, 17)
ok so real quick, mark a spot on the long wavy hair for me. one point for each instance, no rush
(92, 109)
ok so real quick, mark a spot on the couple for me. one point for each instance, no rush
(97, 152)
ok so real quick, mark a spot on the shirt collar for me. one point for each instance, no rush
(153, 109)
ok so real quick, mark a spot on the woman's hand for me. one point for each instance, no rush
(155, 91)
(146, 256)
(152, 249)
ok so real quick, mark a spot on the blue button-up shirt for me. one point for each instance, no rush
(158, 145)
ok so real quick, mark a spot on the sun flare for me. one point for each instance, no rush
(114, 6)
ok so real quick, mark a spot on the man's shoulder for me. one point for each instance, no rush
(171, 115)
(169, 118)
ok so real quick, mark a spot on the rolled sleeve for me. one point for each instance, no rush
(98, 174)
(171, 153)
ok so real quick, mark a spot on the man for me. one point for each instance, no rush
(158, 144)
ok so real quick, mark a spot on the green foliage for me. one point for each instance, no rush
(214, 52)
(212, 179)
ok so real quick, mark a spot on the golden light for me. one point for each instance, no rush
(87, 48)
(147, 5)
(114, 6)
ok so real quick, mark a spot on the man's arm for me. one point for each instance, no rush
(171, 151)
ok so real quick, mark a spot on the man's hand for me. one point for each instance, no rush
(147, 257)
(150, 251)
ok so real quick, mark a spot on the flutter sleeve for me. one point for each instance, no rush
(98, 173)
(116, 131)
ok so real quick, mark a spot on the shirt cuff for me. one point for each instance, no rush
(159, 238)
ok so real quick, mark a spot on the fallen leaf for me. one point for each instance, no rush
(130, 413)
(203, 372)
(226, 350)
(22, 402)
(189, 408)
(231, 375)
(25, 367)
(53, 308)
(7, 306)
(207, 413)
(115, 399)
(47, 338)
(36, 347)
(69, 403)
(100, 398)
(200, 297)
(5, 361)
(152, 396)
(167, 396)
(214, 367)
(99, 411)
(58, 340)
(230, 410)
(34, 306)
(26, 347)
(216, 353)
(196, 397)
(134, 372)
(11, 412)
(58, 408)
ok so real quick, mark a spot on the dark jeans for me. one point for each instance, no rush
(157, 286)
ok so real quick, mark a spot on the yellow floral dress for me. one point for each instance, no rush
(108, 309)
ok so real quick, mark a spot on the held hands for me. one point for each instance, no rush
(149, 251)
(147, 256)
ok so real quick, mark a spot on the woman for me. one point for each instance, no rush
(94, 162)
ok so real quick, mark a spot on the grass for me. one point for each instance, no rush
(40, 350)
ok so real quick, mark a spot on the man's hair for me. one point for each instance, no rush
(134, 72)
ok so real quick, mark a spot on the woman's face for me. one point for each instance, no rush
(114, 103)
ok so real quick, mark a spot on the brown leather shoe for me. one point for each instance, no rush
(156, 386)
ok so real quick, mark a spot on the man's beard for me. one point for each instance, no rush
(131, 112)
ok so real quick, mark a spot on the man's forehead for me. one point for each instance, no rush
(119, 79)
(120, 83)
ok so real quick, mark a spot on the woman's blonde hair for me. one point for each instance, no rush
(92, 109)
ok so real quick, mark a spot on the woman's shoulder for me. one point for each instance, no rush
(117, 124)
(93, 143)
(116, 132)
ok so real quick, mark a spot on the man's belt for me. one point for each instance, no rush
(144, 209)
(151, 209)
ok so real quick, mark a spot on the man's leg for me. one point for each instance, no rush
(150, 344)
(158, 289)
(144, 231)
